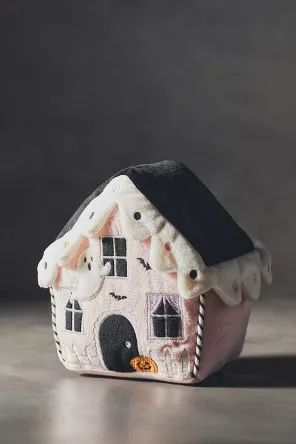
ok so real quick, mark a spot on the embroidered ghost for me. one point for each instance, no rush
(89, 272)
(169, 252)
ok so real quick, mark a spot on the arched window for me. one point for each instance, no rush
(74, 316)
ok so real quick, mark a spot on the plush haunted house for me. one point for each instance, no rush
(152, 278)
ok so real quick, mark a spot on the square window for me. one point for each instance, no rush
(165, 317)
(76, 305)
(114, 252)
(68, 320)
(159, 327)
(111, 261)
(77, 321)
(73, 316)
(108, 247)
(173, 327)
(120, 246)
(121, 267)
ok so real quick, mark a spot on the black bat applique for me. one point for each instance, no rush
(145, 264)
(117, 296)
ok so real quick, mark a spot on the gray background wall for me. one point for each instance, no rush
(87, 88)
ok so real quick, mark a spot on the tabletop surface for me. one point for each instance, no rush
(253, 400)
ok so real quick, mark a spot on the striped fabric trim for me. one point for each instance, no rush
(54, 326)
(199, 337)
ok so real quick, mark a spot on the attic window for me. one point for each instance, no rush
(114, 252)
(73, 316)
(165, 316)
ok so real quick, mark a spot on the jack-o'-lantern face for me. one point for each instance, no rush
(144, 364)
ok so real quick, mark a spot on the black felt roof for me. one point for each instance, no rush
(186, 203)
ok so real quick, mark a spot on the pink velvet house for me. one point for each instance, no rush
(135, 295)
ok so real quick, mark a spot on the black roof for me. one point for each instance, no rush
(186, 203)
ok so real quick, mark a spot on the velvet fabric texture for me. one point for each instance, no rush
(152, 278)
(186, 203)
(114, 329)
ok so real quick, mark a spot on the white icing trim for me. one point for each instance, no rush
(169, 250)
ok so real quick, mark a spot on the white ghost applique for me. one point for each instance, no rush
(89, 272)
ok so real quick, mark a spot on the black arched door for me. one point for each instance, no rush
(118, 343)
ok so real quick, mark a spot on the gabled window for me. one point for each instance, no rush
(114, 252)
(165, 316)
(73, 316)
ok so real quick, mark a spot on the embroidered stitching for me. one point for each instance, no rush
(166, 321)
(150, 335)
(95, 334)
(77, 317)
(199, 337)
(145, 264)
(114, 259)
(54, 326)
(118, 297)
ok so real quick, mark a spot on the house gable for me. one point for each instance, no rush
(133, 294)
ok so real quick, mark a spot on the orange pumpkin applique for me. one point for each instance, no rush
(144, 364)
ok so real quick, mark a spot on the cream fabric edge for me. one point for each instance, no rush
(170, 252)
